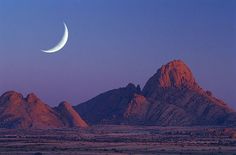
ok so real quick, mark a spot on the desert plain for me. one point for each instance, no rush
(119, 140)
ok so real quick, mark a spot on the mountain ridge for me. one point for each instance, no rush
(170, 97)
(30, 112)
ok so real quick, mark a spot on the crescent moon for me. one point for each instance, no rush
(61, 44)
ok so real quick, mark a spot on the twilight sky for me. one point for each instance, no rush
(114, 42)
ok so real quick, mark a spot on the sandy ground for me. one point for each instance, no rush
(120, 140)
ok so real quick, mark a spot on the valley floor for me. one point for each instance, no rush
(120, 140)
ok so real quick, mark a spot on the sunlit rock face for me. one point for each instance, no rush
(179, 100)
(30, 112)
(174, 74)
(69, 116)
(171, 97)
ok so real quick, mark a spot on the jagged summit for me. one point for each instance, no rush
(32, 98)
(132, 87)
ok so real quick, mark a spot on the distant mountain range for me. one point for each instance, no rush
(171, 97)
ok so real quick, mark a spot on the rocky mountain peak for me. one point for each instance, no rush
(175, 73)
(71, 117)
(131, 87)
(11, 96)
(31, 98)
(65, 105)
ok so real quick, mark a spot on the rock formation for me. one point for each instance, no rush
(69, 116)
(171, 97)
(108, 107)
(181, 100)
(30, 112)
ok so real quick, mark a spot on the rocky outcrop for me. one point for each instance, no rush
(171, 97)
(174, 74)
(30, 112)
(69, 116)
(136, 110)
(174, 88)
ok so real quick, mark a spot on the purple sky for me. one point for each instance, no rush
(114, 42)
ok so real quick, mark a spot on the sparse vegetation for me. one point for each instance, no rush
(120, 139)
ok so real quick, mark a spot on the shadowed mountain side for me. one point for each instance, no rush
(30, 112)
(171, 97)
(108, 107)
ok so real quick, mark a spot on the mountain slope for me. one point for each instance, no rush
(171, 97)
(69, 116)
(30, 112)
(107, 107)
(175, 87)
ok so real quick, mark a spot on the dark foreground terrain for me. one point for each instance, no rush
(120, 140)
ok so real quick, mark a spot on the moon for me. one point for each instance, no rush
(61, 44)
